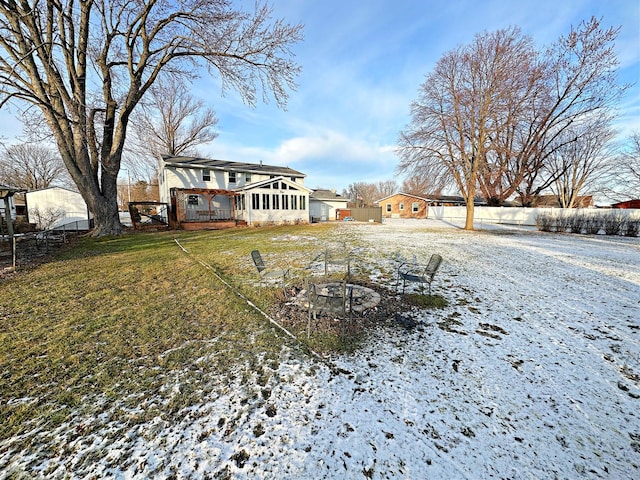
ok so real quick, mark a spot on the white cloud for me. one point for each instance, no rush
(329, 159)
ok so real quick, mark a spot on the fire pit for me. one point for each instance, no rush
(364, 298)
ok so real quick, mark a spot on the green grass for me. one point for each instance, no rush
(426, 301)
(123, 330)
(107, 323)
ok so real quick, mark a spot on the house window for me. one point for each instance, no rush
(276, 201)
(193, 199)
(303, 202)
(255, 201)
(206, 175)
(401, 206)
(239, 201)
(415, 206)
(285, 202)
(265, 201)
(294, 202)
(247, 177)
(232, 177)
(388, 207)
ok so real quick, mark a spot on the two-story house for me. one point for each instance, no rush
(207, 190)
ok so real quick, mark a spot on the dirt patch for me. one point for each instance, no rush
(393, 309)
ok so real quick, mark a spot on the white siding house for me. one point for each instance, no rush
(257, 194)
(324, 203)
(57, 207)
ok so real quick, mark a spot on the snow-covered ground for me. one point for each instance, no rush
(532, 372)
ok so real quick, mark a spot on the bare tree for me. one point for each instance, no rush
(31, 167)
(87, 64)
(362, 194)
(580, 82)
(623, 182)
(492, 113)
(462, 104)
(45, 219)
(417, 183)
(386, 188)
(579, 165)
(172, 122)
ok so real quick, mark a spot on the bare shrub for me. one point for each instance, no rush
(562, 222)
(576, 222)
(632, 227)
(545, 222)
(45, 219)
(593, 224)
(613, 223)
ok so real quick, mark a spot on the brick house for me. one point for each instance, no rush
(627, 204)
(404, 205)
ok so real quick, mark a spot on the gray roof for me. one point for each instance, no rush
(227, 166)
(321, 194)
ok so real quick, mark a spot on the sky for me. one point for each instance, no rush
(362, 65)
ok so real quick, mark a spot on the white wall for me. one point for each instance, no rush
(514, 215)
(325, 209)
(173, 177)
(67, 206)
(264, 216)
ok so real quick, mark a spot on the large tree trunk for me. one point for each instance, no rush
(468, 224)
(103, 204)
(107, 219)
(471, 194)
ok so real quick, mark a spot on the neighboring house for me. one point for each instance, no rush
(202, 190)
(57, 207)
(551, 201)
(404, 205)
(325, 204)
(627, 204)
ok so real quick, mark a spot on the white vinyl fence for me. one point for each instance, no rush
(518, 216)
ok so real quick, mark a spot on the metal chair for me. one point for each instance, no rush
(330, 298)
(415, 273)
(342, 259)
(266, 273)
(332, 257)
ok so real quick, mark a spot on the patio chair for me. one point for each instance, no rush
(341, 259)
(330, 298)
(414, 273)
(332, 257)
(267, 274)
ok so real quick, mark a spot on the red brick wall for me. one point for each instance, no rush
(397, 200)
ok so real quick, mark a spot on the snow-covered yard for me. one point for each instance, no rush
(531, 372)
